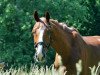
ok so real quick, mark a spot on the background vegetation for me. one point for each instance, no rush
(16, 22)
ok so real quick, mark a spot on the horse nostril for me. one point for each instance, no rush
(44, 55)
(42, 58)
(36, 57)
(39, 57)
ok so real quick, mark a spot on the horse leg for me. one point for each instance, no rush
(58, 65)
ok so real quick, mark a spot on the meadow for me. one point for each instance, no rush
(35, 70)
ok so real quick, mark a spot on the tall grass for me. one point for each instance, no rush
(35, 70)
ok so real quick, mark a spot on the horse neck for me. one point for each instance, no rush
(61, 41)
(83, 50)
(79, 42)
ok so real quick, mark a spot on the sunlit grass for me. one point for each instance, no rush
(95, 70)
(35, 70)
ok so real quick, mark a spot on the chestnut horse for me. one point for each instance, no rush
(70, 46)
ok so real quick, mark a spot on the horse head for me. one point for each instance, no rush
(42, 37)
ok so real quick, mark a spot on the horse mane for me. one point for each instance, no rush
(63, 26)
(74, 31)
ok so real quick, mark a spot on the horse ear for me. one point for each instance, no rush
(47, 16)
(36, 16)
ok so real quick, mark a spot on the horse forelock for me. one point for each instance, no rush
(43, 19)
(40, 23)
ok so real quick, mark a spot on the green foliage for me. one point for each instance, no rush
(16, 22)
(16, 43)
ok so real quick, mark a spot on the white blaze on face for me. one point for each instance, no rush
(40, 47)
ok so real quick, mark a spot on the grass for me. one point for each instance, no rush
(35, 70)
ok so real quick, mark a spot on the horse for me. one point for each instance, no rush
(69, 45)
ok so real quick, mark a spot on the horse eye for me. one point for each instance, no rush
(34, 32)
(35, 45)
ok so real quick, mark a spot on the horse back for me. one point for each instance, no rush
(93, 43)
(92, 40)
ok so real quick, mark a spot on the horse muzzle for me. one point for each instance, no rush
(39, 57)
(40, 54)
